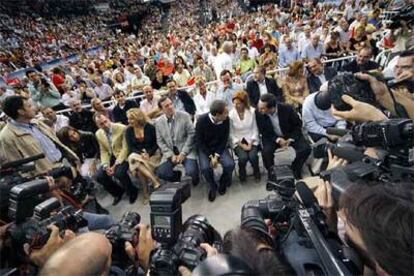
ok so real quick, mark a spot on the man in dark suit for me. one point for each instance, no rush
(261, 85)
(81, 118)
(319, 74)
(362, 62)
(121, 108)
(212, 135)
(280, 127)
(181, 100)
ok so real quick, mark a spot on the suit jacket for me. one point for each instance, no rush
(119, 115)
(314, 83)
(16, 143)
(254, 91)
(118, 148)
(187, 101)
(290, 124)
(184, 135)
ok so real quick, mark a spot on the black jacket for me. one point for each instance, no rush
(211, 138)
(254, 91)
(119, 114)
(83, 121)
(187, 101)
(314, 82)
(87, 147)
(149, 143)
(353, 67)
(290, 124)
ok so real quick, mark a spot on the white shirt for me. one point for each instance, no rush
(182, 78)
(203, 104)
(104, 91)
(253, 53)
(223, 62)
(262, 87)
(147, 106)
(66, 98)
(143, 80)
(61, 121)
(246, 128)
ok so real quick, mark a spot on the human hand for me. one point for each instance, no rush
(214, 161)
(184, 271)
(282, 142)
(406, 99)
(323, 194)
(40, 256)
(211, 251)
(174, 159)
(360, 112)
(380, 90)
(181, 158)
(335, 161)
(145, 245)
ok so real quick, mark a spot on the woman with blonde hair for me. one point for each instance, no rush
(295, 85)
(244, 134)
(144, 154)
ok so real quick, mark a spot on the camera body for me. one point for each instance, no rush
(347, 84)
(35, 232)
(281, 180)
(180, 244)
(120, 233)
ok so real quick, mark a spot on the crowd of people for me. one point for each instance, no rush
(184, 98)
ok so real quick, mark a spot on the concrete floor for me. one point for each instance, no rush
(223, 213)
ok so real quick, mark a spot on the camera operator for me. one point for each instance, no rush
(90, 254)
(378, 224)
(24, 136)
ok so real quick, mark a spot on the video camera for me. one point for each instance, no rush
(303, 236)
(120, 233)
(395, 137)
(34, 231)
(180, 244)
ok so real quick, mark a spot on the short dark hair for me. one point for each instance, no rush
(269, 99)
(161, 100)
(11, 106)
(384, 215)
(262, 69)
(118, 92)
(225, 71)
(217, 107)
(28, 72)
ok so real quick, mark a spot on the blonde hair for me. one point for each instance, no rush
(138, 116)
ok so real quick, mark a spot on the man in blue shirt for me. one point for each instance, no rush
(314, 49)
(288, 53)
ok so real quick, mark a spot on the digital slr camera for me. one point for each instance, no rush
(120, 233)
(180, 244)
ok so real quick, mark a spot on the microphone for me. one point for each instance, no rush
(336, 131)
(310, 202)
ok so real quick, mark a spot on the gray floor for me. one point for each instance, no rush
(223, 213)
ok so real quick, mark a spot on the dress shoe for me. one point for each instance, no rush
(117, 199)
(222, 189)
(257, 175)
(133, 197)
(196, 181)
(211, 195)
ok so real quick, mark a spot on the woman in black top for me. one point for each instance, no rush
(142, 144)
(159, 81)
(84, 144)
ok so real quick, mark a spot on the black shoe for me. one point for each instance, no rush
(222, 189)
(242, 174)
(257, 175)
(211, 195)
(117, 199)
(133, 197)
(196, 181)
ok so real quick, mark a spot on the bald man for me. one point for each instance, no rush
(87, 254)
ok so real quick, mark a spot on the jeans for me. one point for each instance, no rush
(226, 162)
(166, 170)
(245, 156)
(97, 221)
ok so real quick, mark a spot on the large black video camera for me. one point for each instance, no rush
(34, 231)
(120, 233)
(303, 236)
(180, 244)
(395, 138)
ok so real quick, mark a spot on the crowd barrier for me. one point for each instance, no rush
(207, 84)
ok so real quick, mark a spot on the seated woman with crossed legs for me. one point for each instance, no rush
(142, 144)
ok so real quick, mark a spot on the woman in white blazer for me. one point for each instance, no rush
(244, 134)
